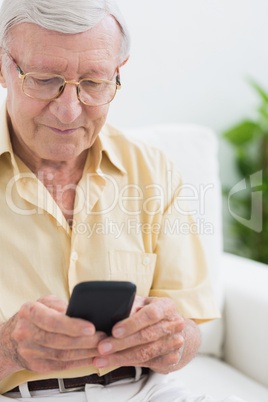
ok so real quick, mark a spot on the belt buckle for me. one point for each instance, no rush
(71, 389)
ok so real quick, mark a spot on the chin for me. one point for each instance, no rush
(62, 153)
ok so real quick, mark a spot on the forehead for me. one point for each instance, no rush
(35, 47)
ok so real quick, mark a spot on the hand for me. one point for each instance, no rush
(150, 337)
(41, 338)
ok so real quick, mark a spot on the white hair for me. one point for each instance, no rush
(65, 16)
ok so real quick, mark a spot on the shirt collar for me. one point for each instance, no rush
(107, 145)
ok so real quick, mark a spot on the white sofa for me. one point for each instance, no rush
(233, 357)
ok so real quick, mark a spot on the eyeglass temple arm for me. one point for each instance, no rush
(12, 59)
(118, 81)
(19, 69)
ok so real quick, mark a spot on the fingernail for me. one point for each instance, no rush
(100, 362)
(88, 331)
(106, 347)
(119, 332)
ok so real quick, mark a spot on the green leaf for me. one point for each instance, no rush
(263, 110)
(242, 133)
(259, 90)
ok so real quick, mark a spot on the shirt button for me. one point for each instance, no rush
(146, 261)
(74, 256)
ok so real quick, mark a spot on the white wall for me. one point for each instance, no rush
(189, 61)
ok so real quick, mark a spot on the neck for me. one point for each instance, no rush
(59, 172)
(59, 177)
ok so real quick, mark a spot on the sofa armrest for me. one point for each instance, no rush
(246, 316)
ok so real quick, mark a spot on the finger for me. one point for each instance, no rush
(146, 335)
(45, 353)
(138, 303)
(48, 366)
(63, 342)
(139, 355)
(166, 363)
(157, 310)
(55, 303)
(52, 321)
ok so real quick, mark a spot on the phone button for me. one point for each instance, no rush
(74, 256)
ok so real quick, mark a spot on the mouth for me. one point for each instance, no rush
(62, 131)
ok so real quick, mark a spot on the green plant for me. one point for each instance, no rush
(249, 139)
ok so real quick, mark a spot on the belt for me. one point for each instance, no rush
(78, 383)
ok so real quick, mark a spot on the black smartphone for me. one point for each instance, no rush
(103, 303)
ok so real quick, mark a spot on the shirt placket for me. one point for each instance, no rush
(89, 189)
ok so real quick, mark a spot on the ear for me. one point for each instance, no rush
(124, 62)
(2, 77)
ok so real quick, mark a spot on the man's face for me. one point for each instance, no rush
(61, 129)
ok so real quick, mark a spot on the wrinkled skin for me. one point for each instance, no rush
(41, 338)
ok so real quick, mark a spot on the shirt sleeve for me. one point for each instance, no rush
(181, 271)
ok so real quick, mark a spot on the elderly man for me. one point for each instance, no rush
(68, 181)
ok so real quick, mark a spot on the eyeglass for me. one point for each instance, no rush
(46, 87)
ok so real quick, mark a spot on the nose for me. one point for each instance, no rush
(67, 107)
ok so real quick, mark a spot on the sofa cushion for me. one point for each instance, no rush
(245, 316)
(208, 375)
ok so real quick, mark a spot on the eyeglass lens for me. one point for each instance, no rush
(46, 87)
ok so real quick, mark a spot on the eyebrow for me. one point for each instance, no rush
(46, 69)
(92, 72)
(42, 68)
(39, 65)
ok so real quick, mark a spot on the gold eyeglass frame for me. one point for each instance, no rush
(22, 76)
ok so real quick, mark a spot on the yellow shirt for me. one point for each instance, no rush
(126, 225)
